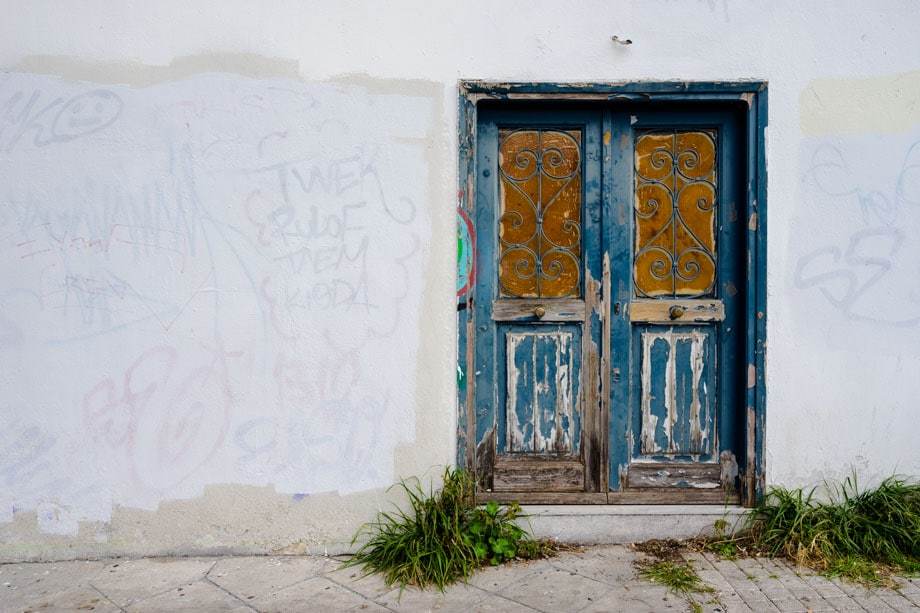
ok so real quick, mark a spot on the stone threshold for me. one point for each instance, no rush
(616, 524)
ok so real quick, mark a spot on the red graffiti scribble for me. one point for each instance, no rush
(168, 422)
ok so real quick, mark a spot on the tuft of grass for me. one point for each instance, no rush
(859, 570)
(668, 568)
(679, 577)
(860, 535)
(443, 536)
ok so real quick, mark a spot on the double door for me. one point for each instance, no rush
(606, 305)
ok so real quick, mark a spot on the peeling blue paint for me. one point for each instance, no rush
(740, 342)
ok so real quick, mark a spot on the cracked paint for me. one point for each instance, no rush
(654, 430)
(539, 404)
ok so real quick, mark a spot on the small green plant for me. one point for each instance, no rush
(443, 536)
(492, 533)
(722, 542)
(725, 549)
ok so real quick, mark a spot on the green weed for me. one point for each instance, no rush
(858, 570)
(880, 525)
(679, 577)
(723, 542)
(727, 550)
(857, 534)
(443, 536)
(493, 535)
(668, 568)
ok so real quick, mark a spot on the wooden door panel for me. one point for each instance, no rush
(534, 474)
(676, 385)
(538, 240)
(675, 266)
(668, 474)
(542, 367)
(681, 324)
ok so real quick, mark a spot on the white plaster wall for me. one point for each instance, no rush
(227, 247)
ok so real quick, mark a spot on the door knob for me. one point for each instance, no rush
(539, 312)
(676, 312)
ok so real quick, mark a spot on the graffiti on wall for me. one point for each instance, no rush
(864, 215)
(466, 253)
(202, 284)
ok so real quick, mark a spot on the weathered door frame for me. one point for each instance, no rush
(753, 95)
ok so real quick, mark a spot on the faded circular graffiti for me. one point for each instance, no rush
(86, 113)
(466, 247)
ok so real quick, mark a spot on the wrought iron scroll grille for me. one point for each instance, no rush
(540, 220)
(675, 214)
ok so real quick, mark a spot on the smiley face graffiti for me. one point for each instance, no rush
(87, 113)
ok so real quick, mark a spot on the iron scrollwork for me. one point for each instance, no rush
(675, 212)
(540, 222)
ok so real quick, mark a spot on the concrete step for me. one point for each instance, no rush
(615, 524)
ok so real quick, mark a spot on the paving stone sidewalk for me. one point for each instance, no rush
(596, 579)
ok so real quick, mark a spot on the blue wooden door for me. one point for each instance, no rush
(677, 291)
(606, 303)
(536, 301)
